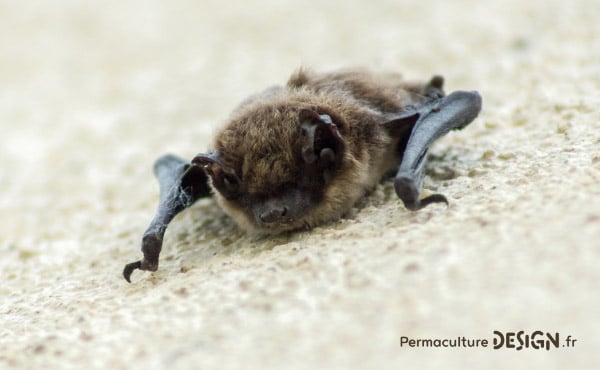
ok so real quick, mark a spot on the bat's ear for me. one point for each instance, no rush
(223, 177)
(322, 144)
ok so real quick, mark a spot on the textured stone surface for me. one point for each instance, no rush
(92, 92)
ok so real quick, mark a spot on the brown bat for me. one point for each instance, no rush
(303, 154)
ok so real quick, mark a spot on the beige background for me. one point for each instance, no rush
(92, 92)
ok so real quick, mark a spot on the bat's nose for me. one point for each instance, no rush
(273, 214)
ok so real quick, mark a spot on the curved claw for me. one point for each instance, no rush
(434, 198)
(409, 194)
(130, 268)
(144, 265)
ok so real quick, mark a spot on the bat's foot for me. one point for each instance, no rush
(409, 194)
(435, 88)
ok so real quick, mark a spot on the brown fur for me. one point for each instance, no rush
(261, 140)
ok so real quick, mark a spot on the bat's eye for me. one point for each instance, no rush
(231, 184)
(228, 185)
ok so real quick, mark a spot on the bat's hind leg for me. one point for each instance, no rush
(433, 120)
(181, 184)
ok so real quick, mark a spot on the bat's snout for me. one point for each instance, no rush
(281, 210)
(273, 214)
(273, 211)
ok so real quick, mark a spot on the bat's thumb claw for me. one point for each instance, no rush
(145, 265)
(129, 268)
(435, 198)
(409, 194)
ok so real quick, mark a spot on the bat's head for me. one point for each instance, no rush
(282, 167)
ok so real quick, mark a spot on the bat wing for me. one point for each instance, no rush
(418, 128)
(181, 184)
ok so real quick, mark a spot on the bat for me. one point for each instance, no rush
(300, 155)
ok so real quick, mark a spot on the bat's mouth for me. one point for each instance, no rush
(283, 211)
(280, 227)
(281, 222)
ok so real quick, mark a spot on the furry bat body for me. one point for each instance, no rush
(297, 156)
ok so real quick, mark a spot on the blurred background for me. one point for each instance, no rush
(92, 92)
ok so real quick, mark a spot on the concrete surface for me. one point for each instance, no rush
(92, 92)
